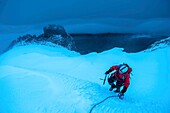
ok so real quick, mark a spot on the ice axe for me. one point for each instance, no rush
(104, 80)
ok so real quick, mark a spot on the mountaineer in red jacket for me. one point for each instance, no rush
(121, 76)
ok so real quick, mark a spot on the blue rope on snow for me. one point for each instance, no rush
(100, 103)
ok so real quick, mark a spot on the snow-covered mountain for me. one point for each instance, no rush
(54, 35)
(21, 17)
(42, 79)
(160, 44)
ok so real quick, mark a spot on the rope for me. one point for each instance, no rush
(100, 103)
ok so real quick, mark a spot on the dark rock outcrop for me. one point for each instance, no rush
(53, 29)
(54, 34)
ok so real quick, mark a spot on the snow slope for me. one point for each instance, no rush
(20, 17)
(41, 79)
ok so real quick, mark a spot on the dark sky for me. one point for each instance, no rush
(18, 12)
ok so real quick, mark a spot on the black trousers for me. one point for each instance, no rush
(111, 81)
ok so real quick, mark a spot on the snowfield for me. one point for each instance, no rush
(42, 79)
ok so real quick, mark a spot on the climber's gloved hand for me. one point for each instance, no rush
(121, 95)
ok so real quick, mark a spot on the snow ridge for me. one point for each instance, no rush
(160, 44)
